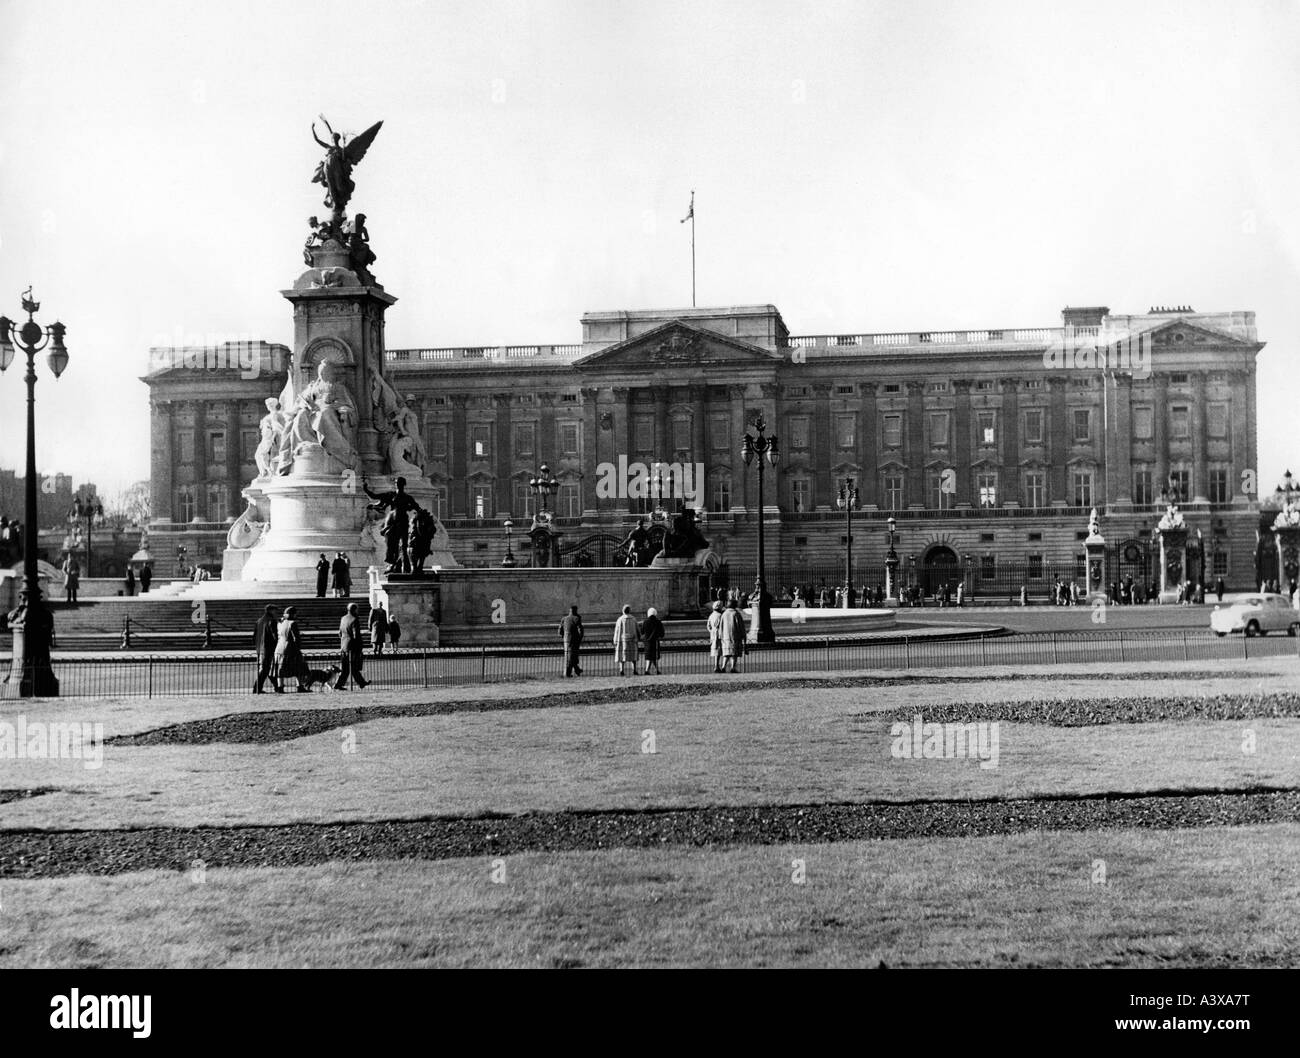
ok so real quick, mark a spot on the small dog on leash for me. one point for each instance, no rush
(323, 677)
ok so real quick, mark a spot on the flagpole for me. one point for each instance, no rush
(692, 249)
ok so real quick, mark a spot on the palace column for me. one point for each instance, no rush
(1009, 477)
(504, 464)
(865, 437)
(623, 442)
(458, 500)
(1238, 414)
(1123, 478)
(590, 440)
(1160, 418)
(548, 445)
(234, 452)
(961, 448)
(915, 444)
(698, 396)
(162, 455)
(201, 461)
(1200, 472)
(662, 448)
(823, 486)
(740, 481)
(1059, 441)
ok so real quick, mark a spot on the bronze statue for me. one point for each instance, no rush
(335, 170)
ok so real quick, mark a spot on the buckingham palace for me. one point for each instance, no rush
(988, 448)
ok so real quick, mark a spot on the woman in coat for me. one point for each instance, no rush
(715, 636)
(289, 662)
(626, 637)
(652, 632)
(733, 637)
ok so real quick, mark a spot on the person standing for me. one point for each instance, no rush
(733, 638)
(322, 575)
(714, 626)
(71, 578)
(652, 633)
(378, 629)
(130, 581)
(394, 632)
(351, 650)
(146, 575)
(347, 574)
(571, 631)
(265, 636)
(1218, 588)
(626, 638)
(338, 573)
(289, 661)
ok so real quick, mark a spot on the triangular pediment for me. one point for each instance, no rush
(676, 344)
(1182, 333)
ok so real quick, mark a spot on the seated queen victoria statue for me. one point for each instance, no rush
(326, 415)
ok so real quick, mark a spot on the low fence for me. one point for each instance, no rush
(167, 675)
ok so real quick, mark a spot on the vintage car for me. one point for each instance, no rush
(1256, 615)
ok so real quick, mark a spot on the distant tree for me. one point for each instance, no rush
(130, 506)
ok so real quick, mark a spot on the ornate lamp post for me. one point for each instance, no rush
(891, 563)
(970, 572)
(92, 512)
(911, 580)
(543, 485)
(33, 628)
(509, 561)
(753, 447)
(846, 499)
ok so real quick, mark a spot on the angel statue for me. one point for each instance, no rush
(335, 169)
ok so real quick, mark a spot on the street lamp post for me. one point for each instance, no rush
(753, 447)
(891, 563)
(847, 499)
(92, 512)
(543, 484)
(509, 561)
(33, 627)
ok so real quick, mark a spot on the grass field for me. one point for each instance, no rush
(1220, 895)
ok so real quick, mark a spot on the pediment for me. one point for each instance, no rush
(676, 345)
(1179, 333)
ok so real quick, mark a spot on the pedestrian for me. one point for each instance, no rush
(714, 626)
(378, 630)
(289, 662)
(338, 575)
(130, 581)
(347, 574)
(394, 632)
(824, 598)
(626, 638)
(322, 575)
(265, 636)
(571, 631)
(71, 578)
(1218, 588)
(652, 633)
(146, 575)
(733, 638)
(351, 650)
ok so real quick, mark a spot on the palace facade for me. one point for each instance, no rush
(989, 447)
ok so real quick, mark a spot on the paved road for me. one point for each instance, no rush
(1065, 618)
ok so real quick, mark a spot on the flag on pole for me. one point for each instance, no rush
(690, 213)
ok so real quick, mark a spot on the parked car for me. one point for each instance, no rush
(1256, 615)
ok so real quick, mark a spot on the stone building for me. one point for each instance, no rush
(989, 447)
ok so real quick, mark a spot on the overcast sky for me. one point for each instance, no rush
(865, 167)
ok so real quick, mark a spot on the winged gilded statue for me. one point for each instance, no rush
(335, 169)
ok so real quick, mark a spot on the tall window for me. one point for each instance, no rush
(721, 495)
(1034, 426)
(1218, 485)
(436, 432)
(682, 434)
(1036, 488)
(988, 489)
(480, 441)
(1180, 421)
(1216, 420)
(570, 438)
(799, 431)
(893, 427)
(986, 425)
(1182, 481)
(480, 501)
(525, 502)
(1083, 488)
(894, 492)
(1082, 425)
(1035, 571)
(1219, 563)
(1143, 490)
(988, 567)
(217, 446)
(934, 494)
(524, 435)
(719, 433)
(1143, 423)
(568, 501)
(185, 503)
(845, 431)
(185, 444)
(643, 434)
(938, 429)
(801, 494)
(438, 502)
(216, 497)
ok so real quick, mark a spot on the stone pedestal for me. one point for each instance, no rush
(1173, 562)
(891, 580)
(1287, 539)
(1095, 565)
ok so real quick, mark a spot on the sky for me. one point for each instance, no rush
(864, 167)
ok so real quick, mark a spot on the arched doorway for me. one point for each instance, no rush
(940, 566)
